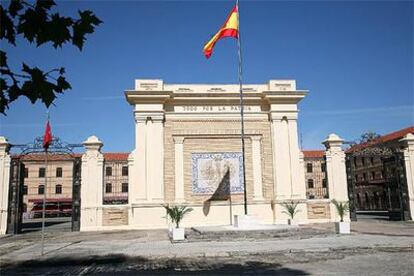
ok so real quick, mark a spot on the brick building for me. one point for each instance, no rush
(315, 174)
(370, 175)
(58, 188)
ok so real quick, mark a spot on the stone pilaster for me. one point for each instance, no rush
(179, 168)
(336, 172)
(287, 170)
(257, 168)
(408, 150)
(92, 185)
(4, 182)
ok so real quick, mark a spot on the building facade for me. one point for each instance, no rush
(56, 181)
(372, 171)
(188, 152)
(315, 174)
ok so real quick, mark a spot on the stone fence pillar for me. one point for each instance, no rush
(336, 172)
(92, 185)
(408, 151)
(4, 182)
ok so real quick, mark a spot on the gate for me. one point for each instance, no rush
(44, 185)
(376, 182)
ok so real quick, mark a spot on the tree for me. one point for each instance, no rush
(368, 136)
(37, 23)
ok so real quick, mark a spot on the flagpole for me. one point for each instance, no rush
(241, 109)
(44, 197)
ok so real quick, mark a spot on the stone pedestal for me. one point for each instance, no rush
(92, 185)
(408, 149)
(4, 182)
(336, 173)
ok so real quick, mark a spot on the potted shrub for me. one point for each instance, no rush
(176, 214)
(342, 208)
(291, 210)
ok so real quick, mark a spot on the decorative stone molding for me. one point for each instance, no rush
(178, 139)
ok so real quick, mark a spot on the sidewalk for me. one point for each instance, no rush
(155, 244)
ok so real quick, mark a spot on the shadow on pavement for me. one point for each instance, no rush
(124, 265)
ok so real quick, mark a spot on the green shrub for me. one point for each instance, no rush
(177, 213)
(341, 208)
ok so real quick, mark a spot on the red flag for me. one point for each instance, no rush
(47, 138)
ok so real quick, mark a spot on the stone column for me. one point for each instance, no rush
(179, 169)
(336, 172)
(92, 185)
(408, 151)
(281, 158)
(4, 182)
(138, 163)
(287, 169)
(257, 168)
(155, 157)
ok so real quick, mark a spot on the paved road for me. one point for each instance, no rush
(360, 263)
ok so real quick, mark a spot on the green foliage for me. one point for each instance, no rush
(290, 208)
(341, 208)
(177, 213)
(37, 23)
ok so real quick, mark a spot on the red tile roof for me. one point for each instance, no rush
(313, 153)
(116, 156)
(393, 136)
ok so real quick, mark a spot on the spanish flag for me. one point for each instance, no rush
(229, 29)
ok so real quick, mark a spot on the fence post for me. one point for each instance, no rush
(408, 151)
(336, 172)
(91, 187)
(4, 182)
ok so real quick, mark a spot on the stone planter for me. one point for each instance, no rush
(293, 222)
(343, 227)
(178, 234)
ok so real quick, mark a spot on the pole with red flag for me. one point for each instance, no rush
(47, 139)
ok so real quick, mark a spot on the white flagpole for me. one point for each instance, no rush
(241, 109)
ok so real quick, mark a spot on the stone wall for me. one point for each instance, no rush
(206, 139)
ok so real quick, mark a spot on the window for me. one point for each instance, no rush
(323, 167)
(108, 188)
(42, 172)
(58, 189)
(108, 171)
(59, 172)
(324, 183)
(364, 176)
(363, 161)
(125, 171)
(310, 183)
(372, 175)
(355, 163)
(372, 160)
(41, 189)
(25, 190)
(309, 167)
(26, 172)
(125, 187)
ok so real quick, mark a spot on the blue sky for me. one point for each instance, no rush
(355, 58)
